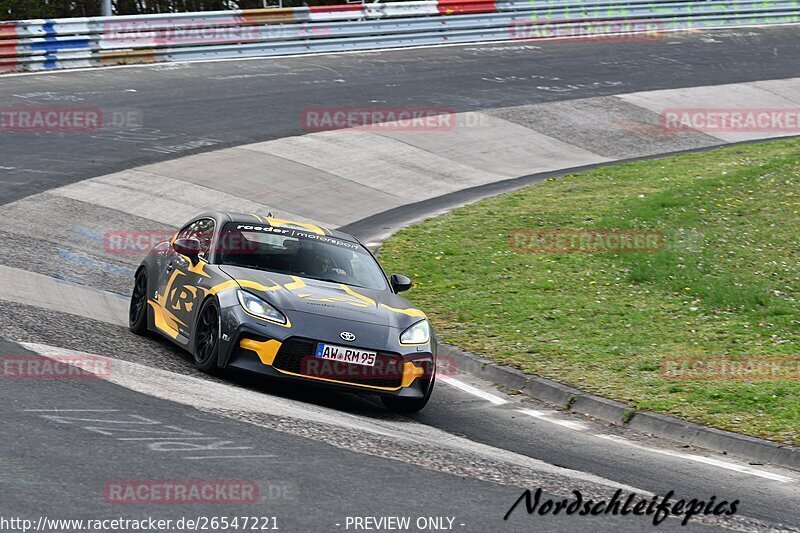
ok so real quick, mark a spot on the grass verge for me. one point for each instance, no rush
(724, 282)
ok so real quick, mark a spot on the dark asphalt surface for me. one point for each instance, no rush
(181, 109)
(73, 438)
(58, 467)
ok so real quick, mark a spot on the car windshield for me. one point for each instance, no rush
(299, 252)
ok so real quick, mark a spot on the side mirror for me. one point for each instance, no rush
(188, 247)
(400, 283)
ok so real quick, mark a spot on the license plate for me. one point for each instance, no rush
(345, 354)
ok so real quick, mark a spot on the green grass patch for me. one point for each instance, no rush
(725, 284)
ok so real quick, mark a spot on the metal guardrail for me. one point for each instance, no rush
(84, 42)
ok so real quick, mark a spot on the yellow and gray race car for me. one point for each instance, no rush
(286, 299)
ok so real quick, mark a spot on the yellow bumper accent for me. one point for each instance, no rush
(351, 384)
(266, 350)
(410, 373)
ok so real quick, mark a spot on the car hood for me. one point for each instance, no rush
(304, 295)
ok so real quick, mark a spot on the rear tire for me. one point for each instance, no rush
(138, 311)
(206, 337)
(397, 404)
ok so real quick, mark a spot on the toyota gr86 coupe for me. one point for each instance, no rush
(289, 300)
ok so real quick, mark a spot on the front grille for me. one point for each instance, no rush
(296, 355)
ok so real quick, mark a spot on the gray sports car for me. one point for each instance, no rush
(290, 300)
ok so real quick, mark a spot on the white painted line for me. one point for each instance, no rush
(497, 400)
(700, 459)
(169, 438)
(72, 410)
(546, 417)
(227, 457)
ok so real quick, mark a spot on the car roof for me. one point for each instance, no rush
(277, 222)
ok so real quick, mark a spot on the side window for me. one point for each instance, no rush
(186, 232)
(203, 231)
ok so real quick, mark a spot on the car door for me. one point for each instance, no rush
(198, 279)
(179, 289)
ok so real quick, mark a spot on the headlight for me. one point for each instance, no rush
(258, 307)
(419, 333)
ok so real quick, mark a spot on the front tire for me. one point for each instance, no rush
(396, 404)
(138, 311)
(206, 338)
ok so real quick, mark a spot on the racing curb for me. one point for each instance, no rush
(756, 451)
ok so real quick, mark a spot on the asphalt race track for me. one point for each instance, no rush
(232, 103)
(317, 457)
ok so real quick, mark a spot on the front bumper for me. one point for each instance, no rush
(260, 347)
